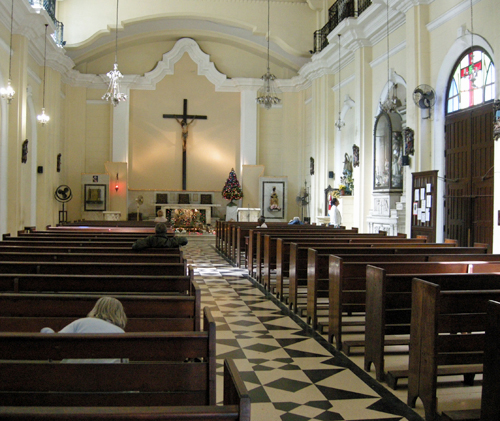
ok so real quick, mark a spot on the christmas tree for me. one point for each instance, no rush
(232, 190)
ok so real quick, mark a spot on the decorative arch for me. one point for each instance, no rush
(472, 81)
(459, 47)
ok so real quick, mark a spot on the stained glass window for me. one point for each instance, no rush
(472, 82)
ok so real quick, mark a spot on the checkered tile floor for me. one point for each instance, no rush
(292, 373)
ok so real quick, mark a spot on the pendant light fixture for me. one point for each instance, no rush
(267, 96)
(472, 68)
(8, 92)
(339, 123)
(113, 93)
(389, 105)
(44, 118)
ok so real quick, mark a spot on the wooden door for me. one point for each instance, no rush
(469, 176)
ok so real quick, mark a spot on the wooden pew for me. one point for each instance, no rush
(490, 410)
(388, 311)
(32, 238)
(89, 257)
(85, 233)
(102, 284)
(68, 242)
(347, 289)
(318, 273)
(87, 248)
(94, 268)
(447, 329)
(153, 313)
(235, 407)
(267, 244)
(299, 258)
(255, 249)
(157, 374)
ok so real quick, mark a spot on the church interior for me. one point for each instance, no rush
(112, 110)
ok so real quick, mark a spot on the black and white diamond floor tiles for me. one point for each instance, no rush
(292, 373)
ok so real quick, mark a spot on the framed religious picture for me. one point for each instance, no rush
(273, 198)
(95, 197)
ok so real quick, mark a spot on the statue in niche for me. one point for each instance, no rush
(355, 156)
(274, 202)
(24, 156)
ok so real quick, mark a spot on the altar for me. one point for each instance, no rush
(204, 208)
(248, 214)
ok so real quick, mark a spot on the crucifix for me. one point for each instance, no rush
(182, 119)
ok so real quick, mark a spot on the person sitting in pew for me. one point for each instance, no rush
(295, 221)
(262, 222)
(107, 316)
(160, 217)
(159, 240)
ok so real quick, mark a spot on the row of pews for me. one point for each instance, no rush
(435, 299)
(50, 278)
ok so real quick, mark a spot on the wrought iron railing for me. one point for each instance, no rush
(50, 8)
(339, 11)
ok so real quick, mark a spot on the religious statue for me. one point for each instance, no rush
(184, 126)
(274, 203)
(24, 156)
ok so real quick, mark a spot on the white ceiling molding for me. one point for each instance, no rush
(451, 14)
(383, 58)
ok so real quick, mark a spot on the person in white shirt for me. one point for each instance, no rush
(160, 217)
(107, 316)
(335, 217)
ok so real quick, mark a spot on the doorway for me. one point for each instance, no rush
(469, 160)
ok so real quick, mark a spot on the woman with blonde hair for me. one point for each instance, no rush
(107, 316)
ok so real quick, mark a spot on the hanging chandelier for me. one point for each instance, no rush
(113, 93)
(267, 95)
(8, 92)
(390, 104)
(339, 123)
(44, 118)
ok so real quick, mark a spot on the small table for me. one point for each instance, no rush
(111, 215)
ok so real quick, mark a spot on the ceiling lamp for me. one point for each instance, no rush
(389, 105)
(8, 92)
(44, 118)
(113, 93)
(339, 123)
(37, 5)
(267, 95)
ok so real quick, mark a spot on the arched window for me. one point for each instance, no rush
(472, 82)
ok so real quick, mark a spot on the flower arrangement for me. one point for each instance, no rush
(342, 187)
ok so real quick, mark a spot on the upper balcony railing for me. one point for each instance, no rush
(339, 11)
(50, 8)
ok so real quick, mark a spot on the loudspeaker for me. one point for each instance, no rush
(330, 174)
(40, 170)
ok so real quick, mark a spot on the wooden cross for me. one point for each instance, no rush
(182, 119)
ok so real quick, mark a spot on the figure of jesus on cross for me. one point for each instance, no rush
(182, 119)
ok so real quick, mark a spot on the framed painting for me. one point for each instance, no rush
(273, 198)
(95, 197)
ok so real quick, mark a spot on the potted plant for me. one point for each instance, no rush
(342, 189)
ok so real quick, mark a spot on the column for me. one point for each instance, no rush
(364, 138)
(248, 134)
(120, 140)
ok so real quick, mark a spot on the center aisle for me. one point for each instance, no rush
(291, 373)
